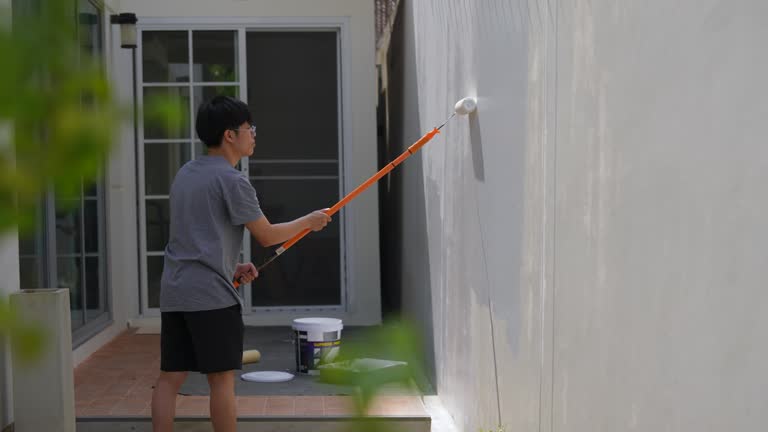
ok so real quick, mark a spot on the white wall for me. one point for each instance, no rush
(363, 284)
(471, 217)
(605, 200)
(660, 300)
(9, 269)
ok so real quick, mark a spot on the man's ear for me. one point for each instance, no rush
(228, 135)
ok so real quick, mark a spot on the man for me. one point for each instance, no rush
(211, 202)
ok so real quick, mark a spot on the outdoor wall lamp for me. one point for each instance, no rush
(127, 23)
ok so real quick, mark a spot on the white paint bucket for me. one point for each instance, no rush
(317, 342)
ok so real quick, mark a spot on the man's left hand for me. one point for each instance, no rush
(245, 273)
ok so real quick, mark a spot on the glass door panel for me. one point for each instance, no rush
(169, 70)
(293, 93)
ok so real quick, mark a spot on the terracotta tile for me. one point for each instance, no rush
(105, 371)
(280, 405)
(125, 411)
(192, 403)
(90, 381)
(140, 392)
(339, 405)
(130, 406)
(92, 412)
(397, 405)
(81, 407)
(192, 412)
(105, 403)
(90, 392)
(119, 389)
(119, 380)
(251, 405)
(309, 406)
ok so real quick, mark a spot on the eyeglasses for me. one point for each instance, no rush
(252, 128)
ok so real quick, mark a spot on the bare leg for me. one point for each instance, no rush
(164, 400)
(223, 406)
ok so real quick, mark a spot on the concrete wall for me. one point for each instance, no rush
(586, 251)
(660, 303)
(363, 284)
(9, 269)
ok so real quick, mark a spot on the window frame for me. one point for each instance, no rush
(341, 25)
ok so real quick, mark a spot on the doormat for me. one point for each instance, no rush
(277, 354)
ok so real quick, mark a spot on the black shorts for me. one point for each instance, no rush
(205, 341)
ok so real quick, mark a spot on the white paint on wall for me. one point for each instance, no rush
(474, 192)
(660, 221)
(606, 200)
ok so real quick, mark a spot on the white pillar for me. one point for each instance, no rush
(44, 391)
(9, 268)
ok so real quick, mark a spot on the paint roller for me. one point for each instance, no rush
(463, 107)
(251, 356)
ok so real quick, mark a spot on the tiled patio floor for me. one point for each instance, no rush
(117, 381)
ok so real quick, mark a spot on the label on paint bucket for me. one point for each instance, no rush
(315, 348)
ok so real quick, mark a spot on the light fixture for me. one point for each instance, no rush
(127, 23)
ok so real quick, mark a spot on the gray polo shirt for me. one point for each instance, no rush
(210, 203)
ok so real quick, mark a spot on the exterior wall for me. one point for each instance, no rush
(659, 280)
(468, 218)
(363, 285)
(9, 268)
(585, 252)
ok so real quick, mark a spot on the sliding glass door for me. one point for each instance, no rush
(290, 79)
(293, 90)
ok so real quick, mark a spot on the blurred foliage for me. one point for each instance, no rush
(57, 106)
(396, 340)
(58, 119)
(27, 339)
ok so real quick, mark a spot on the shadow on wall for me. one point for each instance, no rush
(404, 242)
(476, 141)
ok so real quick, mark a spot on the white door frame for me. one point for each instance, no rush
(242, 26)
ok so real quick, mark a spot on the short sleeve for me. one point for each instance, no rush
(240, 200)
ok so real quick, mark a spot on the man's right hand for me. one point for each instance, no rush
(317, 220)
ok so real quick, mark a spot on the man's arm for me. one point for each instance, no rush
(268, 234)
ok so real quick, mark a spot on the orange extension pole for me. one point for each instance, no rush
(358, 190)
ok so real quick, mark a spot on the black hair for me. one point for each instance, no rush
(218, 115)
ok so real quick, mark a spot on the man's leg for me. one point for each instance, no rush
(164, 400)
(223, 406)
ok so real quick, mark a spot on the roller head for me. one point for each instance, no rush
(465, 106)
(251, 356)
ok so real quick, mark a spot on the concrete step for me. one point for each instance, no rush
(414, 423)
